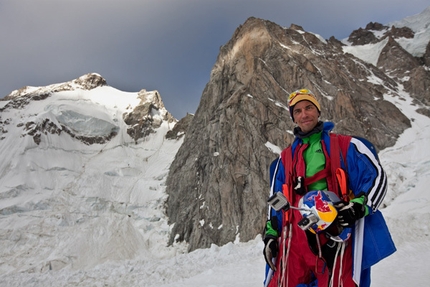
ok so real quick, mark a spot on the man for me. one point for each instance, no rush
(358, 238)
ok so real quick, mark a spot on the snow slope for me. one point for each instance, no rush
(67, 204)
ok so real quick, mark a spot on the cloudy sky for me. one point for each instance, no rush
(164, 45)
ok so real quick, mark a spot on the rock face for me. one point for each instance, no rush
(218, 183)
(180, 128)
(403, 61)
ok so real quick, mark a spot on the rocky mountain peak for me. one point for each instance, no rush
(375, 26)
(89, 81)
(218, 183)
(147, 116)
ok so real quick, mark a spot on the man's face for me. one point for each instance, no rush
(305, 115)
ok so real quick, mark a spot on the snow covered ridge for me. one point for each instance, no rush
(85, 82)
(72, 107)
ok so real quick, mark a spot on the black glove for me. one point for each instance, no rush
(350, 212)
(270, 251)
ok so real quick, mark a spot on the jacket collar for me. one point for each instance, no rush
(321, 126)
(325, 127)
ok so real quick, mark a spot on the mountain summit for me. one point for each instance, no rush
(142, 115)
(218, 182)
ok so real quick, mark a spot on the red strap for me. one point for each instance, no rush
(335, 160)
(318, 176)
(289, 164)
(286, 188)
(341, 179)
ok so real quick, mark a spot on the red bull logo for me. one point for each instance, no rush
(320, 203)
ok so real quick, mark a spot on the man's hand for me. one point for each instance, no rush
(270, 251)
(349, 213)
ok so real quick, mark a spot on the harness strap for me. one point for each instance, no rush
(286, 188)
(318, 176)
(335, 160)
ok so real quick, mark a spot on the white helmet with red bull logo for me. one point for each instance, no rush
(319, 214)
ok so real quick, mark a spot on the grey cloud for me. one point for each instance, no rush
(168, 45)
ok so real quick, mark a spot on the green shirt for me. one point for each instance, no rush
(315, 160)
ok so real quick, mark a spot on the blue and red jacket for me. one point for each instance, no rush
(371, 237)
